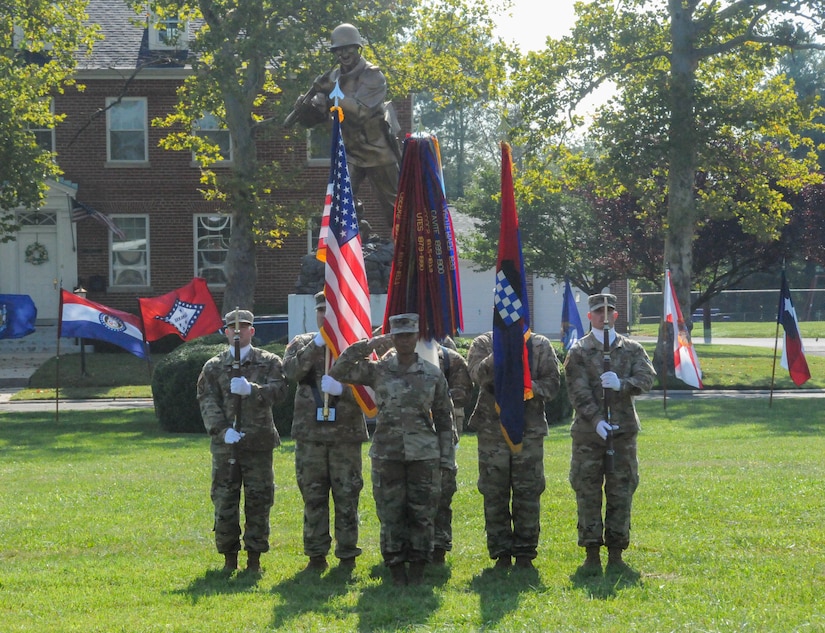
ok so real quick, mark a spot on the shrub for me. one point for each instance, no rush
(174, 387)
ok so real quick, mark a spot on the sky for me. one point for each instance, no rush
(533, 20)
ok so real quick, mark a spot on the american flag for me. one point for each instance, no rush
(82, 211)
(347, 318)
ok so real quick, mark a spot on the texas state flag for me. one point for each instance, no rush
(82, 318)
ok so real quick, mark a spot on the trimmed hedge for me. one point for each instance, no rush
(174, 386)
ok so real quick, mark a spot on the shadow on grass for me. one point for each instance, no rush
(217, 581)
(500, 591)
(607, 585)
(384, 606)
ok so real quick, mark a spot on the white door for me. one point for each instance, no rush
(38, 270)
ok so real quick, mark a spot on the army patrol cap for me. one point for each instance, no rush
(597, 301)
(320, 301)
(404, 323)
(244, 316)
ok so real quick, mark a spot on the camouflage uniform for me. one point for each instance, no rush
(583, 367)
(327, 454)
(254, 452)
(503, 475)
(454, 367)
(413, 436)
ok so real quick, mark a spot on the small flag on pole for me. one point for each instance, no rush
(685, 364)
(17, 316)
(82, 318)
(82, 211)
(571, 323)
(793, 352)
(188, 312)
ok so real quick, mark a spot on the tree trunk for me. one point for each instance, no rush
(681, 209)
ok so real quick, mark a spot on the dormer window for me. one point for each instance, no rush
(168, 34)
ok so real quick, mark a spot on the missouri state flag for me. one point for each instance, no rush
(82, 318)
(17, 316)
(188, 312)
(793, 352)
(511, 317)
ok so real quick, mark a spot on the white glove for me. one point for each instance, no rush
(611, 381)
(602, 428)
(232, 436)
(331, 386)
(319, 340)
(240, 386)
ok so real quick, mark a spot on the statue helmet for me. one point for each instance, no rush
(345, 35)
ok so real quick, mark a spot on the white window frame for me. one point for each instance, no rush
(215, 128)
(157, 34)
(201, 238)
(123, 261)
(111, 107)
(38, 131)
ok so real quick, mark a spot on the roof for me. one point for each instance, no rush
(126, 41)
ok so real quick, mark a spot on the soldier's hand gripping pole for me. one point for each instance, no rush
(610, 453)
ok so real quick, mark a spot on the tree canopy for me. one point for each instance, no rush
(38, 54)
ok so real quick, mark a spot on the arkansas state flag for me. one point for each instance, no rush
(17, 316)
(82, 318)
(511, 316)
(793, 353)
(685, 364)
(188, 312)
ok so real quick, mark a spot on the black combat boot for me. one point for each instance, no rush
(439, 556)
(230, 563)
(253, 562)
(399, 575)
(316, 564)
(592, 565)
(416, 576)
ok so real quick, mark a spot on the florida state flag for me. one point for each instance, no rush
(187, 312)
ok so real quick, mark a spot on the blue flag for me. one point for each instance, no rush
(571, 323)
(17, 316)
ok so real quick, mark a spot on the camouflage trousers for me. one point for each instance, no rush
(321, 469)
(257, 480)
(591, 485)
(406, 495)
(505, 477)
(444, 513)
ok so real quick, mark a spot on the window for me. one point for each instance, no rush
(127, 126)
(212, 247)
(168, 34)
(44, 136)
(130, 257)
(209, 128)
(319, 141)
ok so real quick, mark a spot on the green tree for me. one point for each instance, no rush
(249, 59)
(39, 45)
(694, 99)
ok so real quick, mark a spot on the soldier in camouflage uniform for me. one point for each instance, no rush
(327, 452)
(260, 385)
(631, 373)
(413, 437)
(505, 476)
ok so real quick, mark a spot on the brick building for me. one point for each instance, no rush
(112, 164)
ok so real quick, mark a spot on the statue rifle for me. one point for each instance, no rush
(610, 452)
(305, 101)
(234, 467)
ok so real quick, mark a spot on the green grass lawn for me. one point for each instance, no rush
(106, 524)
(734, 329)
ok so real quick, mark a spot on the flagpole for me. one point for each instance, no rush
(664, 339)
(57, 363)
(776, 343)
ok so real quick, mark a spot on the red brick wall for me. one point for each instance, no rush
(167, 190)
